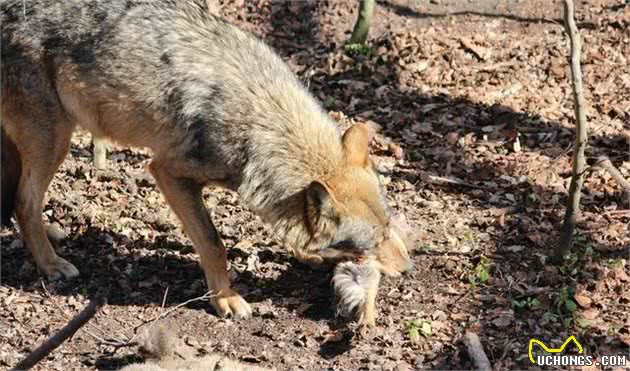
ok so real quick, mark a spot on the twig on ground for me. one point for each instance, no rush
(161, 309)
(615, 212)
(164, 298)
(432, 179)
(109, 340)
(472, 48)
(476, 352)
(494, 66)
(163, 314)
(605, 163)
(62, 335)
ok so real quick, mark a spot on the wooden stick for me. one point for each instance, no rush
(62, 335)
(163, 313)
(468, 46)
(438, 180)
(476, 352)
(605, 163)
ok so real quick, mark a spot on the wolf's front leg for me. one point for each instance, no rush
(184, 197)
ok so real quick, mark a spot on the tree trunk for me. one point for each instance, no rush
(362, 27)
(579, 162)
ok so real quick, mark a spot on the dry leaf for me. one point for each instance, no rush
(396, 151)
(583, 300)
(589, 314)
(333, 337)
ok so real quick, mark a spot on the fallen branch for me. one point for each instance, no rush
(62, 335)
(470, 47)
(616, 212)
(109, 341)
(438, 180)
(605, 163)
(476, 352)
(494, 66)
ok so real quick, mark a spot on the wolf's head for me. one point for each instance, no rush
(347, 212)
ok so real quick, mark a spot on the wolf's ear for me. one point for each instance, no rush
(320, 206)
(355, 145)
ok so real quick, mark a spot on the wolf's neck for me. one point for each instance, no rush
(293, 144)
(287, 140)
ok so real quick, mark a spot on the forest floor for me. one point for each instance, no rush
(474, 92)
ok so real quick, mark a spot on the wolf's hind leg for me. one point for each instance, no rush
(185, 198)
(42, 147)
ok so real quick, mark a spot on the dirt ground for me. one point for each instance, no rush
(473, 114)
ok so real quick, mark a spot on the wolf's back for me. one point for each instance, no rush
(173, 71)
(159, 54)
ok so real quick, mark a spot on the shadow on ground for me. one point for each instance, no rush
(138, 272)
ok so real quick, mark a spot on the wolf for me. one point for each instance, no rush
(214, 105)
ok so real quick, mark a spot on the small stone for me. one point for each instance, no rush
(389, 366)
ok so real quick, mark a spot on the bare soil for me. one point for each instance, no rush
(474, 92)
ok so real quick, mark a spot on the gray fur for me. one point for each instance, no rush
(351, 282)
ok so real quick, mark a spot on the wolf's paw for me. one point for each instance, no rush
(59, 268)
(367, 319)
(230, 304)
(368, 331)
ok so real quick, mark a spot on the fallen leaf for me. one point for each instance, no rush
(418, 66)
(514, 248)
(395, 150)
(243, 244)
(9, 299)
(504, 319)
(589, 314)
(333, 337)
(452, 137)
(459, 316)
(583, 300)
